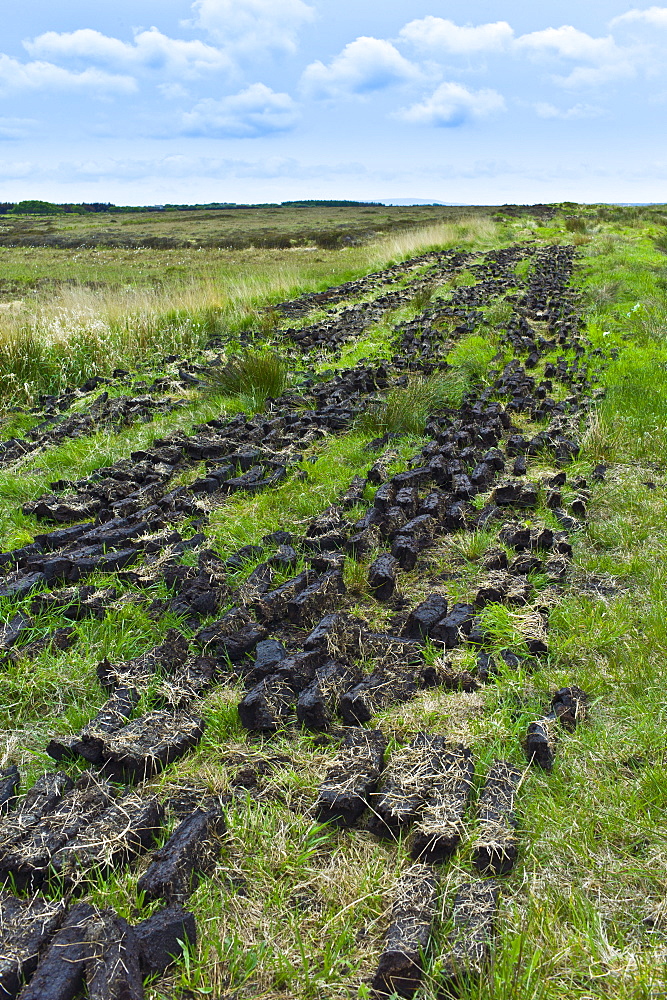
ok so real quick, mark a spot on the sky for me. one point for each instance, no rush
(145, 102)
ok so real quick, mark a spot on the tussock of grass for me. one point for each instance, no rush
(255, 375)
(470, 545)
(422, 297)
(406, 410)
(472, 357)
(498, 312)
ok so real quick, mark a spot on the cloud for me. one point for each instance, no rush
(365, 65)
(437, 34)
(656, 17)
(178, 166)
(249, 26)
(607, 60)
(451, 105)
(173, 91)
(18, 76)
(545, 110)
(569, 43)
(254, 112)
(150, 50)
(16, 128)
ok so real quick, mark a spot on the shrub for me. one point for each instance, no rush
(575, 224)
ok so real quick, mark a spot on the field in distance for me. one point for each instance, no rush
(275, 226)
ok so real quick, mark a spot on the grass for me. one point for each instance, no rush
(298, 910)
(479, 230)
(472, 357)
(79, 332)
(406, 410)
(70, 325)
(251, 375)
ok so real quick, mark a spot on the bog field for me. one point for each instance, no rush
(333, 603)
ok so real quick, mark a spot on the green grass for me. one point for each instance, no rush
(251, 375)
(406, 410)
(297, 910)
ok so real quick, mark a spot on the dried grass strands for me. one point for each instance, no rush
(412, 913)
(439, 832)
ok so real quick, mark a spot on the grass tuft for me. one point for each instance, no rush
(406, 410)
(472, 357)
(256, 375)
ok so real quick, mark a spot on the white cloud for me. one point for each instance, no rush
(173, 91)
(365, 65)
(150, 50)
(248, 26)
(17, 76)
(253, 112)
(438, 34)
(453, 104)
(178, 166)
(16, 128)
(656, 17)
(606, 60)
(545, 110)
(569, 43)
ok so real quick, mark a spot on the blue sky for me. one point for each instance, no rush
(153, 101)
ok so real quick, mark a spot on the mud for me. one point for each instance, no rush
(60, 973)
(407, 779)
(190, 852)
(26, 925)
(569, 707)
(145, 746)
(319, 701)
(89, 744)
(468, 945)
(162, 937)
(110, 841)
(378, 691)
(114, 970)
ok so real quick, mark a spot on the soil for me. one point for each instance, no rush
(345, 792)
(412, 913)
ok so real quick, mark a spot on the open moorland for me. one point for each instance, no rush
(333, 615)
(258, 226)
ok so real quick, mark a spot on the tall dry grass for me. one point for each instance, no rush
(75, 332)
(477, 229)
(64, 336)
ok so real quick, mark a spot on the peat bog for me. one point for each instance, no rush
(332, 642)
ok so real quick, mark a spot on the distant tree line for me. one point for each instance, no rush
(35, 207)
